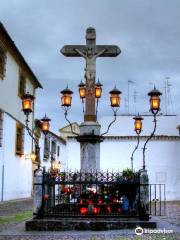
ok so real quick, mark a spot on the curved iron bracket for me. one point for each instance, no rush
(65, 114)
(115, 112)
(152, 134)
(136, 147)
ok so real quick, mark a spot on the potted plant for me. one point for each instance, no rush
(127, 174)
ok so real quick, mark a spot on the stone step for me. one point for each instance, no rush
(67, 224)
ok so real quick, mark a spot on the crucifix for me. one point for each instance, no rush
(90, 52)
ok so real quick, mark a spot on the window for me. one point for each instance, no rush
(19, 139)
(1, 128)
(58, 151)
(22, 85)
(46, 147)
(2, 62)
(53, 150)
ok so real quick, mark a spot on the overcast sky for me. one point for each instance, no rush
(147, 33)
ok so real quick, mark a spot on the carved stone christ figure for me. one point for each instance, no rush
(90, 57)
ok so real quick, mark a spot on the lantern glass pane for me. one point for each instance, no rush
(66, 100)
(115, 100)
(27, 104)
(55, 165)
(33, 156)
(98, 91)
(45, 126)
(155, 102)
(82, 92)
(138, 125)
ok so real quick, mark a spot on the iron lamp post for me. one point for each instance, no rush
(115, 101)
(66, 101)
(43, 124)
(137, 128)
(154, 108)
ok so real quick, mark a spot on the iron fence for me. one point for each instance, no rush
(95, 194)
(157, 199)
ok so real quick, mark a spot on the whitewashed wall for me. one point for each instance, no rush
(17, 170)
(9, 99)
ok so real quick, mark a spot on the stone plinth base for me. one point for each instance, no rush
(90, 146)
(67, 224)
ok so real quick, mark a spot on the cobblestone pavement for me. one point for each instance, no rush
(17, 231)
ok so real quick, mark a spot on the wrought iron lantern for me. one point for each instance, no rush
(82, 90)
(33, 156)
(55, 165)
(115, 97)
(98, 89)
(155, 100)
(66, 98)
(138, 124)
(27, 103)
(45, 124)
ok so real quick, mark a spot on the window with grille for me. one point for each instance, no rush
(46, 148)
(58, 151)
(2, 62)
(19, 139)
(53, 147)
(53, 150)
(22, 85)
(1, 128)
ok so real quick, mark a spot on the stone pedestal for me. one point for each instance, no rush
(90, 146)
(144, 195)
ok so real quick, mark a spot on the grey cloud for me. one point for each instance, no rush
(146, 31)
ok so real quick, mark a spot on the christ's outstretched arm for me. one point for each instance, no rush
(101, 52)
(80, 53)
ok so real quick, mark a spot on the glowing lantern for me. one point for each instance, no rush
(66, 98)
(98, 89)
(138, 124)
(27, 103)
(45, 124)
(55, 165)
(155, 100)
(82, 90)
(33, 156)
(115, 97)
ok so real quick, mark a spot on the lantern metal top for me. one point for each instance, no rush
(45, 119)
(115, 91)
(82, 84)
(28, 95)
(154, 92)
(138, 117)
(67, 91)
(98, 84)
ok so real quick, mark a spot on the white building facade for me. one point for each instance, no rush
(162, 153)
(53, 148)
(16, 78)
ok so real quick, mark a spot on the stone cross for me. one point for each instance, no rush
(90, 52)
